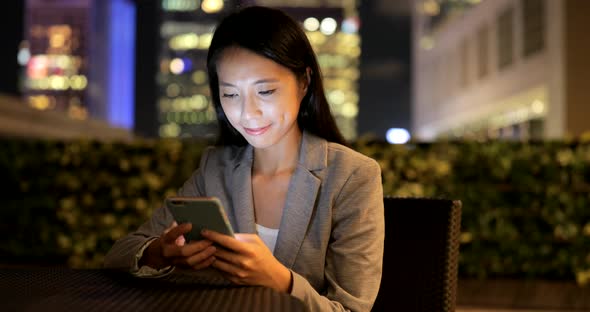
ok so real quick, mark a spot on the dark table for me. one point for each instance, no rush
(63, 289)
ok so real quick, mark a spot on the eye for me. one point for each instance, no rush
(267, 92)
(229, 95)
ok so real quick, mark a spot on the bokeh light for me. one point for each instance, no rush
(397, 136)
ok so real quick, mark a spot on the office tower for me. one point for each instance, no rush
(55, 55)
(77, 58)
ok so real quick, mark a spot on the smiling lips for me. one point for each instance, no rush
(256, 131)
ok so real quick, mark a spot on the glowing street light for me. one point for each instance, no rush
(397, 136)
(311, 24)
(328, 26)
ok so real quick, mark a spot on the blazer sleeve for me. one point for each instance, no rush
(354, 258)
(123, 253)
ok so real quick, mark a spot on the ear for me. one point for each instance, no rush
(306, 81)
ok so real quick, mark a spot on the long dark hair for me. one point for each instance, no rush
(275, 35)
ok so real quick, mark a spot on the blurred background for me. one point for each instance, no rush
(105, 108)
(437, 69)
(139, 66)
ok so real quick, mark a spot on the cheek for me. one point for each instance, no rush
(290, 105)
(231, 112)
(288, 115)
(293, 110)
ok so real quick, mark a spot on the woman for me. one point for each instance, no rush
(308, 210)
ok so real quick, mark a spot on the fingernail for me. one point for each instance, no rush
(204, 232)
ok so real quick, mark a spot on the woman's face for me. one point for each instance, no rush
(260, 98)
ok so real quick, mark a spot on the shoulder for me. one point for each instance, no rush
(339, 160)
(348, 160)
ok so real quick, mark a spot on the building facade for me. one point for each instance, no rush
(511, 69)
(184, 108)
(56, 67)
(77, 58)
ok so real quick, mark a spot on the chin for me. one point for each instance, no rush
(261, 142)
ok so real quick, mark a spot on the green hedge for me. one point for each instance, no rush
(526, 207)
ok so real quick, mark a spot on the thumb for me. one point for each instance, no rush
(172, 225)
(247, 238)
(180, 241)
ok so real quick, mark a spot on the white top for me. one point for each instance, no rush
(268, 236)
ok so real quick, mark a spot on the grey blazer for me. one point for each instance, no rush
(331, 232)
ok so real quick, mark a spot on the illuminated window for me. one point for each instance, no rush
(180, 5)
(505, 38)
(464, 50)
(533, 17)
(483, 39)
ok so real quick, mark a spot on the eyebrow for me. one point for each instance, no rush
(269, 80)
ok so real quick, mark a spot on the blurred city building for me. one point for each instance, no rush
(55, 56)
(12, 36)
(76, 59)
(513, 69)
(183, 105)
(181, 92)
(332, 27)
(384, 84)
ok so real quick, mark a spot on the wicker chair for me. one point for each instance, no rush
(421, 255)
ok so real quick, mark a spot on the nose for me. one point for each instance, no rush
(250, 108)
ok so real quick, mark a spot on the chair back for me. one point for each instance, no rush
(421, 253)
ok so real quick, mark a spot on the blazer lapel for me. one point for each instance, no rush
(301, 199)
(243, 203)
(300, 203)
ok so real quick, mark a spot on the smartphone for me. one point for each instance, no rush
(202, 213)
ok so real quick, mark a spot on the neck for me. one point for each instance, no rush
(279, 158)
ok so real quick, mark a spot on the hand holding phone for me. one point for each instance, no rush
(170, 249)
(202, 213)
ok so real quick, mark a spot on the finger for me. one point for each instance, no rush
(195, 247)
(232, 278)
(225, 241)
(171, 251)
(188, 250)
(228, 268)
(180, 241)
(175, 232)
(229, 257)
(247, 238)
(201, 256)
(204, 264)
(173, 224)
(193, 262)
